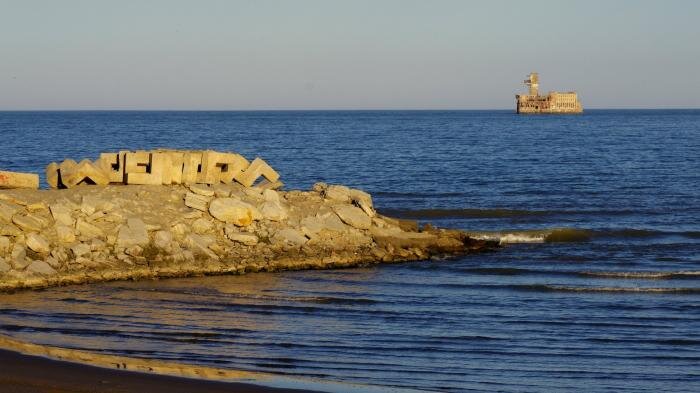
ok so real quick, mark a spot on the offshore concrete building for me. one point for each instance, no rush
(553, 102)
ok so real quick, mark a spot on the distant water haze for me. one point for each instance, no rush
(344, 55)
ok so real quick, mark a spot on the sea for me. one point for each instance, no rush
(596, 286)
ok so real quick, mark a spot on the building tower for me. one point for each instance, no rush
(533, 82)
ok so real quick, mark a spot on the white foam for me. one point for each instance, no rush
(511, 237)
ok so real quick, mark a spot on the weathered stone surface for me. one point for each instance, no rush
(18, 180)
(246, 238)
(179, 229)
(29, 223)
(88, 230)
(353, 216)
(400, 239)
(41, 268)
(202, 189)
(7, 210)
(7, 197)
(349, 195)
(4, 245)
(134, 251)
(80, 249)
(61, 214)
(202, 225)
(38, 243)
(330, 221)
(222, 190)
(337, 193)
(199, 244)
(162, 239)
(4, 266)
(36, 207)
(289, 236)
(92, 204)
(97, 244)
(134, 233)
(195, 201)
(268, 185)
(64, 234)
(273, 211)
(192, 215)
(232, 211)
(9, 230)
(319, 187)
(19, 253)
(404, 224)
(363, 200)
(271, 196)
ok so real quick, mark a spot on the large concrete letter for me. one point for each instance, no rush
(84, 172)
(257, 168)
(137, 167)
(220, 167)
(113, 164)
(191, 165)
(52, 175)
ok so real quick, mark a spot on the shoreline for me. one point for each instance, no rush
(21, 372)
(65, 370)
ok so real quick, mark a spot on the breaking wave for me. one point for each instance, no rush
(565, 235)
(536, 236)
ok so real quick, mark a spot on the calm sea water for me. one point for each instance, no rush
(614, 305)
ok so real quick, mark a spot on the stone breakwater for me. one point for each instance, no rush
(169, 213)
(115, 232)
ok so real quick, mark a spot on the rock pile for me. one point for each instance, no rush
(98, 233)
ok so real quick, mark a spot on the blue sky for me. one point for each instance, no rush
(345, 54)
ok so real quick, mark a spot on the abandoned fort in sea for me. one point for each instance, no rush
(553, 102)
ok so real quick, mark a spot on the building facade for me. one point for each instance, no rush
(553, 102)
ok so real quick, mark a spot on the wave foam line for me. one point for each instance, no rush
(572, 289)
(567, 235)
(642, 275)
(535, 236)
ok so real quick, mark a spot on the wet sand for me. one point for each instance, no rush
(34, 374)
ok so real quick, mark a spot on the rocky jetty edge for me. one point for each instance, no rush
(82, 232)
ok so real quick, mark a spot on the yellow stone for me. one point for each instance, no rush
(18, 180)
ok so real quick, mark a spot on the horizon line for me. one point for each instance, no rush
(324, 109)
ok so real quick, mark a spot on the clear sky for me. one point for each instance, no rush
(355, 54)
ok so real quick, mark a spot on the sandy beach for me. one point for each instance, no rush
(34, 374)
